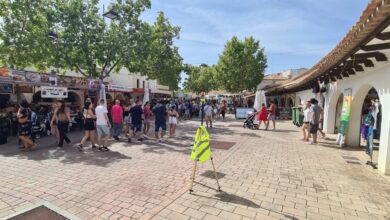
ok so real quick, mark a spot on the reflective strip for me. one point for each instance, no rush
(199, 143)
(202, 152)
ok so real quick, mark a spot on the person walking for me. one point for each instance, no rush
(117, 119)
(314, 120)
(127, 121)
(262, 116)
(187, 110)
(53, 124)
(173, 117)
(271, 114)
(223, 109)
(147, 116)
(102, 125)
(63, 121)
(208, 114)
(89, 126)
(159, 112)
(137, 116)
(24, 115)
(306, 121)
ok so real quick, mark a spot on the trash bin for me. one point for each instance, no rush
(297, 117)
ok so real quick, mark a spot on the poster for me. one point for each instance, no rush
(94, 84)
(18, 76)
(6, 89)
(345, 111)
(54, 92)
(32, 77)
(5, 75)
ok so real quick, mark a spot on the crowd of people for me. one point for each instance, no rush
(129, 120)
(312, 121)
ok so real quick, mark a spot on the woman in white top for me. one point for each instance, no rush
(173, 116)
(306, 120)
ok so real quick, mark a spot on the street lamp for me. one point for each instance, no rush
(111, 14)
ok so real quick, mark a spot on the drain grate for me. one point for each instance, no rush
(353, 162)
(350, 158)
(224, 145)
(44, 211)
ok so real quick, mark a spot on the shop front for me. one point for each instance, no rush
(351, 83)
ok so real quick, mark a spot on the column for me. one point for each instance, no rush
(384, 146)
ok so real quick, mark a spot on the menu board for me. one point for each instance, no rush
(18, 76)
(6, 89)
(54, 92)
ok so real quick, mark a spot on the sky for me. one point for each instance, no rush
(294, 33)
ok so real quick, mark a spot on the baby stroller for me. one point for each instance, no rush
(250, 121)
(39, 127)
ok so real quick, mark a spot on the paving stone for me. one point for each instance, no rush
(228, 215)
(194, 213)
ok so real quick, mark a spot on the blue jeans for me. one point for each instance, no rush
(370, 137)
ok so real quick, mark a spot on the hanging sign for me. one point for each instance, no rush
(24, 89)
(346, 111)
(94, 84)
(118, 88)
(54, 92)
(6, 89)
(92, 93)
(34, 78)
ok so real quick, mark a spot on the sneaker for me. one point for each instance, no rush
(105, 148)
(80, 147)
(100, 148)
(313, 143)
(95, 146)
(116, 138)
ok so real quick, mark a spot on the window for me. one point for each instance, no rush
(137, 83)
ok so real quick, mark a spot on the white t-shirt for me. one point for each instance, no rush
(99, 111)
(306, 115)
(208, 110)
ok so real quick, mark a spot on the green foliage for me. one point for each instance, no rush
(200, 78)
(163, 61)
(85, 42)
(241, 65)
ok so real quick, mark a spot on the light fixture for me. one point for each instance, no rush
(111, 15)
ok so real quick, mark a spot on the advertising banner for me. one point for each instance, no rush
(6, 89)
(346, 111)
(5, 75)
(18, 76)
(54, 92)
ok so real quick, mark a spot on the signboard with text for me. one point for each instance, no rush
(54, 92)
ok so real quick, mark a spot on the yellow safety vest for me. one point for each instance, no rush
(201, 150)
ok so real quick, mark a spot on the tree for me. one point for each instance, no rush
(72, 35)
(163, 60)
(200, 78)
(241, 65)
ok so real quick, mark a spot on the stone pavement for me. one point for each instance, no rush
(265, 175)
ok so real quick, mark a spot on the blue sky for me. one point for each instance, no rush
(294, 33)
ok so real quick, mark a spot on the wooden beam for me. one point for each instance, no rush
(375, 47)
(383, 36)
(380, 57)
(358, 68)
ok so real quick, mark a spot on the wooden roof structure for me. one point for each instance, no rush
(361, 48)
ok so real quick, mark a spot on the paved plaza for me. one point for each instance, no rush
(263, 175)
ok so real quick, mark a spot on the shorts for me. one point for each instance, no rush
(126, 120)
(313, 128)
(147, 121)
(25, 129)
(136, 127)
(159, 125)
(89, 124)
(187, 112)
(271, 117)
(172, 120)
(208, 117)
(102, 130)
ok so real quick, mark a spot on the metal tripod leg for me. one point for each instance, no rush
(215, 174)
(193, 176)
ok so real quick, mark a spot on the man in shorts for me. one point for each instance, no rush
(102, 125)
(137, 116)
(271, 114)
(160, 113)
(208, 114)
(117, 119)
(315, 113)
